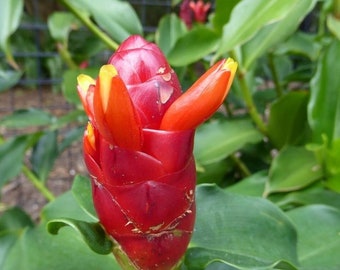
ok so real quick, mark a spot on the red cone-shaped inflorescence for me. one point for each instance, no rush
(138, 150)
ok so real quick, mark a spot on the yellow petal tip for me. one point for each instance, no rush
(84, 81)
(230, 65)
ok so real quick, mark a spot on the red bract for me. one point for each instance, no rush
(200, 10)
(138, 150)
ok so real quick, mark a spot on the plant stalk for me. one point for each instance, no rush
(90, 25)
(248, 99)
(37, 183)
(273, 69)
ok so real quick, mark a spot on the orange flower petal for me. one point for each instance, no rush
(202, 99)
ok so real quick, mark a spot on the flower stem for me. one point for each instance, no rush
(38, 183)
(66, 56)
(90, 25)
(248, 99)
(240, 164)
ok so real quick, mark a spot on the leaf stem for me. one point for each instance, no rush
(273, 69)
(241, 165)
(38, 183)
(248, 99)
(66, 56)
(90, 25)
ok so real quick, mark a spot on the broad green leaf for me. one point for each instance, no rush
(39, 250)
(313, 195)
(7, 240)
(14, 219)
(216, 140)
(65, 206)
(170, 29)
(44, 154)
(274, 33)
(193, 46)
(252, 185)
(287, 122)
(12, 153)
(240, 231)
(8, 78)
(24, 118)
(69, 84)
(10, 15)
(60, 24)
(333, 25)
(82, 192)
(292, 169)
(318, 229)
(92, 233)
(300, 43)
(248, 17)
(213, 172)
(117, 18)
(222, 13)
(324, 103)
(70, 137)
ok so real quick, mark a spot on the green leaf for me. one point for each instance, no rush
(324, 103)
(222, 13)
(14, 219)
(193, 46)
(66, 206)
(12, 153)
(82, 192)
(274, 33)
(170, 29)
(240, 231)
(24, 118)
(248, 17)
(117, 18)
(7, 240)
(60, 24)
(92, 233)
(252, 185)
(44, 154)
(333, 25)
(71, 136)
(292, 169)
(301, 43)
(39, 250)
(318, 229)
(8, 78)
(287, 122)
(216, 140)
(10, 15)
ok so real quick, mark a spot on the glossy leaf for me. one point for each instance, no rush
(170, 29)
(333, 25)
(81, 190)
(117, 18)
(274, 33)
(239, 231)
(222, 13)
(8, 79)
(252, 185)
(292, 169)
(217, 140)
(318, 229)
(11, 157)
(39, 250)
(60, 24)
(14, 219)
(193, 46)
(324, 104)
(24, 118)
(44, 154)
(287, 122)
(92, 233)
(259, 12)
(10, 15)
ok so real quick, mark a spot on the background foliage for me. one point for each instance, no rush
(268, 164)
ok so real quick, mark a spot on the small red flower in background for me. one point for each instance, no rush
(193, 11)
(138, 150)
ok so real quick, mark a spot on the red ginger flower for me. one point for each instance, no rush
(138, 150)
(200, 10)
